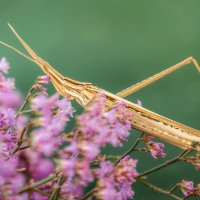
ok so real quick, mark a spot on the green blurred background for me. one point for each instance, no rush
(114, 44)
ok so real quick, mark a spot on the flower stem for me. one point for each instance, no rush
(44, 193)
(25, 111)
(173, 189)
(130, 150)
(158, 189)
(26, 100)
(36, 184)
(56, 191)
(20, 139)
(90, 193)
(165, 164)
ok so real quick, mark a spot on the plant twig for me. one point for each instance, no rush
(173, 189)
(165, 164)
(88, 194)
(36, 184)
(56, 190)
(130, 150)
(20, 139)
(158, 189)
(26, 100)
(25, 111)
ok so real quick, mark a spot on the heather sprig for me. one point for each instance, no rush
(40, 160)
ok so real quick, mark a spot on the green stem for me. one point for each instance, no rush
(26, 100)
(20, 140)
(25, 111)
(141, 149)
(130, 150)
(90, 193)
(158, 189)
(41, 192)
(165, 164)
(36, 184)
(173, 189)
(24, 147)
(184, 198)
(45, 193)
(56, 191)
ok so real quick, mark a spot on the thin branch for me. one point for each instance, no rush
(158, 189)
(25, 111)
(36, 184)
(45, 193)
(173, 189)
(88, 194)
(165, 164)
(26, 100)
(130, 150)
(20, 139)
(56, 190)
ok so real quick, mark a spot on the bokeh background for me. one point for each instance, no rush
(114, 44)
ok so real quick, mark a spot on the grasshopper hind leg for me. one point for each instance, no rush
(134, 88)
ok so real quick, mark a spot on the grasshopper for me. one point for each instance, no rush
(144, 120)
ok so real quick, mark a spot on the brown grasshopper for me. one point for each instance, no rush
(144, 120)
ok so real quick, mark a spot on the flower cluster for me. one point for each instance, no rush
(54, 115)
(194, 159)
(10, 180)
(33, 147)
(114, 182)
(9, 97)
(155, 148)
(188, 189)
(95, 128)
(40, 159)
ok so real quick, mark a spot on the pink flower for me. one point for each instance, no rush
(155, 148)
(196, 159)
(11, 99)
(50, 120)
(8, 167)
(84, 172)
(45, 103)
(88, 149)
(105, 127)
(187, 187)
(125, 192)
(68, 167)
(114, 182)
(197, 166)
(36, 165)
(106, 191)
(6, 85)
(105, 171)
(4, 65)
(8, 134)
(139, 103)
(43, 80)
(125, 170)
(55, 114)
(45, 142)
(72, 190)
(10, 180)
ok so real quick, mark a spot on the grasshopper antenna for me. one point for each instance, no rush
(17, 51)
